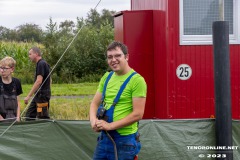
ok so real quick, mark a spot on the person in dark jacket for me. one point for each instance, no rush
(39, 107)
(10, 89)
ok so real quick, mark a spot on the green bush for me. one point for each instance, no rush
(24, 69)
(83, 61)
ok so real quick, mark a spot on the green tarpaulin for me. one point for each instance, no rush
(74, 140)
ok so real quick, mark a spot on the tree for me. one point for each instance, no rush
(51, 43)
(93, 18)
(67, 26)
(108, 16)
(4, 33)
(8, 34)
(80, 22)
(90, 47)
(86, 54)
(29, 32)
(85, 57)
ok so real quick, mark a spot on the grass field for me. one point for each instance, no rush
(69, 101)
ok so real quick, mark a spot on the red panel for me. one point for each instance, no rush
(137, 27)
(148, 4)
(235, 80)
(160, 64)
(153, 40)
(118, 28)
(192, 98)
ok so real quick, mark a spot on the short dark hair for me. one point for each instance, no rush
(116, 44)
(36, 50)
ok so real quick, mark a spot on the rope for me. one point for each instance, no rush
(8, 128)
(114, 145)
(48, 74)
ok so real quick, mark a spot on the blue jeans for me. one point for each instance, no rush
(127, 147)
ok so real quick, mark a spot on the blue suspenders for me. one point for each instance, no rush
(105, 85)
(120, 90)
(101, 113)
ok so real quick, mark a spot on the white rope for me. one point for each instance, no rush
(8, 128)
(48, 74)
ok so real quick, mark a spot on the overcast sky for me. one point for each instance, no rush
(17, 12)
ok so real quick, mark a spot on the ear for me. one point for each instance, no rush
(127, 57)
(12, 69)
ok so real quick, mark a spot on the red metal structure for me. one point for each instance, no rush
(151, 32)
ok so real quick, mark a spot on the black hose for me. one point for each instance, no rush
(114, 145)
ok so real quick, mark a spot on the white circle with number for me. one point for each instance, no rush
(184, 71)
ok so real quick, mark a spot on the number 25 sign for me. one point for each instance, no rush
(184, 71)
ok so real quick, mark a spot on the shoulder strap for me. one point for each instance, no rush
(105, 85)
(122, 88)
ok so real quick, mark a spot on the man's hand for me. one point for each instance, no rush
(26, 99)
(1, 118)
(18, 119)
(103, 125)
(94, 126)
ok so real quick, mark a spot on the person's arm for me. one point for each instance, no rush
(93, 110)
(136, 115)
(35, 87)
(18, 108)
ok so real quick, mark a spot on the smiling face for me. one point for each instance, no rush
(117, 61)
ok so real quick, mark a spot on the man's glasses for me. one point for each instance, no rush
(4, 69)
(116, 56)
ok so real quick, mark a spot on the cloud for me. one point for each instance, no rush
(17, 12)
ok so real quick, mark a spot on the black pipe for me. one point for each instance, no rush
(222, 88)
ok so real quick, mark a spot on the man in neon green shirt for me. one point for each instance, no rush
(121, 126)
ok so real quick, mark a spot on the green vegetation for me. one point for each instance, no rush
(78, 89)
(82, 61)
(70, 109)
(24, 69)
(69, 101)
(74, 89)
